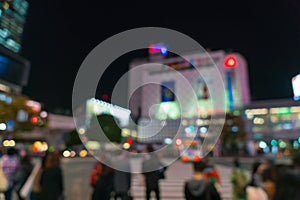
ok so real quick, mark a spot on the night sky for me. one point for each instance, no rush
(59, 35)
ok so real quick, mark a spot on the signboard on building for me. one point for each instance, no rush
(296, 87)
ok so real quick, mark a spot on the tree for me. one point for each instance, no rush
(109, 126)
(9, 112)
(72, 138)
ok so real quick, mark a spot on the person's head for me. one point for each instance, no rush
(11, 151)
(26, 160)
(287, 186)
(205, 159)
(199, 166)
(52, 160)
(270, 177)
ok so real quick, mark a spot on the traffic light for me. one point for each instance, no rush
(34, 120)
(230, 61)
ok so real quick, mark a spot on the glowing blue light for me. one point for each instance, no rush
(287, 126)
(296, 144)
(164, 50)
(266, 150)
(274, 149)
(8, 100)
(235, 129)
(299, 139)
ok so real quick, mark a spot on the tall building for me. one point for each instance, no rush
(12, 21)
(177, 98)
(14, 69)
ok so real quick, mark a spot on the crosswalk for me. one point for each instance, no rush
(176, 175)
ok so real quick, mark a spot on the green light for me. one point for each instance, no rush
(168, 110)
(283, 111)
(236, 113)
(51, 149)
(282, 144)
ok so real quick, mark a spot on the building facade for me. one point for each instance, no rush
(167, 103)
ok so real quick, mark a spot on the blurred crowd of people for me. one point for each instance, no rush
(268, 180)
(46, 184)
(112, 178)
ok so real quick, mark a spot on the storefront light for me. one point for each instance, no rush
(2, 126)
(262, 144)
(258, 120)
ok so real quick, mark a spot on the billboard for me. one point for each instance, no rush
(167, 89)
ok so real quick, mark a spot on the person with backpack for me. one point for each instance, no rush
(212, 174)
(198, 187)
(95, 173)
(239, 180)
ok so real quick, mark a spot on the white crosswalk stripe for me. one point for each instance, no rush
(176, 175)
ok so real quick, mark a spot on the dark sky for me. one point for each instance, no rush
(59, 35)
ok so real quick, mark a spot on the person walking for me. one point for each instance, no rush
(104, 184)
(198, 187)
(254, 189)
(212, 174)
(150, 167)
(51, 181)
(10, 164)
(239, 180)
(122, 177)
(22, 174)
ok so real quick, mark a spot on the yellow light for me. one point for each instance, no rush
(257, 111)
(66, 153)
(37, 143)
(184, 122)
(295, 109)
(163, 123)
(93, 145)
(125, 132)
(258, 120)
(134, 134)
(126, 145)
(5, 5)
(274, 119)
(199, 122)
(12, 143)
(83, 153)
(81, 131)
(6, 143)
(249, 116)
(44, 146)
